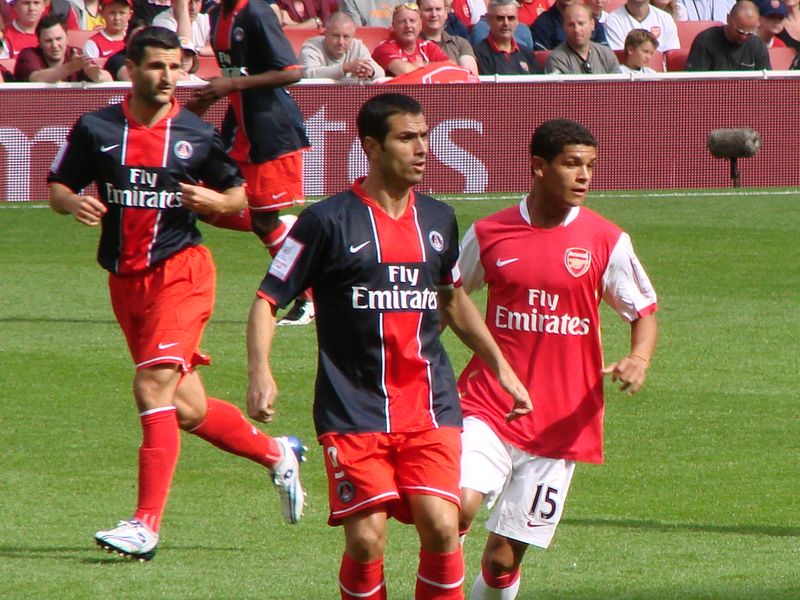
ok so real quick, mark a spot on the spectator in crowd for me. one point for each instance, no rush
(500, 53)
(548, 30)
(733, 46)
(598, 11)
(467, 11)
(116, 62)
(791, 25)
(53, 61)
(434, 18)
(707, 10)
(89, 15)
(302, 14)
(454, 25)
(21, 32)
(200, 26)
(676, 10)
(638, 14)
(772, 14)
(369, 13)
(111, 38)
(640, 45)
(479, 31)
(529, 10)
(337, 54)
(64, 10)
(578, 53)
(148, 9)
(405, 50)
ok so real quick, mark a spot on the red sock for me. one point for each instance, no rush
(227, 428)
(274, 239)
(158, 455)
(238, 222)
(440, 576)
(362, 581)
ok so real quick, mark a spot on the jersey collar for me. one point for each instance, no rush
(358, 190)
(526, 216)
(126, 109)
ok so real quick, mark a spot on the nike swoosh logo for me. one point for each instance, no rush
(165, 346)
(354, 249)
(508, 261)
(108, 148)
(276, 196)
(531, 524)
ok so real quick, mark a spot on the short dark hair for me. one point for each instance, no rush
(151, 37)
(48, 21)
(550, 137)
(373, 118)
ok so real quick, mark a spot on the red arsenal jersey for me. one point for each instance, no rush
(544, 291)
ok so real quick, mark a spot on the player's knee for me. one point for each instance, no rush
(368, 545)
(498, 564)
(190, 417)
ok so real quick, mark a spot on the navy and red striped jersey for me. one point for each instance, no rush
(381, 364)
(262, 123)
(138, 170)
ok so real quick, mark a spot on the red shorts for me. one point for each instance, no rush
(274, 184)
(163, 311)
(371, 469)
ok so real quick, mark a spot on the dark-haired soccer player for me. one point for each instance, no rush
(263, 127)
(548, 262)
(156, 166)
(382, 262)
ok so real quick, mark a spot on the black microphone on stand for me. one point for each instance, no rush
(734, 144)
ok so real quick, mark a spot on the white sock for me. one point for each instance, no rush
(482, 591)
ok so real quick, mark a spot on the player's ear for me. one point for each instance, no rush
(370, 145)
(537, 164)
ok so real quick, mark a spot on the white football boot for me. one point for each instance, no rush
(131, 538)
(286, 477)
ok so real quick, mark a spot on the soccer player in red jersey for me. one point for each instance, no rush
(156, 167)
(547, 262)
(383, 261)
(264, 126)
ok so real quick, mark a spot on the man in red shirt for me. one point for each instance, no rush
(405, 51)
(21, 32)
(53, 61)
(547, 262)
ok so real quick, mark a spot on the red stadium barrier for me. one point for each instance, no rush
(652, 133)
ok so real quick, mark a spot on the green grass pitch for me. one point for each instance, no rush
(698, 497)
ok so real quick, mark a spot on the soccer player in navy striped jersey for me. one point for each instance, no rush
(156, 167)
(382, 261)
(264, 126)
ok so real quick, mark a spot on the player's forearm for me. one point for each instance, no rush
(268, 79)
(234, 200)
(62, 199)
(467, 323)
(644, 335)
(260, 331)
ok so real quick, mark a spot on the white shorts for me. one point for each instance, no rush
(529, 491)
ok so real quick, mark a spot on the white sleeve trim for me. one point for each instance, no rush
(469, 263)
(626, 286)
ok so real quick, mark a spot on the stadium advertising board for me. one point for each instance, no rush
(652, 134)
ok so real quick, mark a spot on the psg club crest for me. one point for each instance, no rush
(183, 149)
(346, 491)
(238, 34)
(577, 261)
(436, 240)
